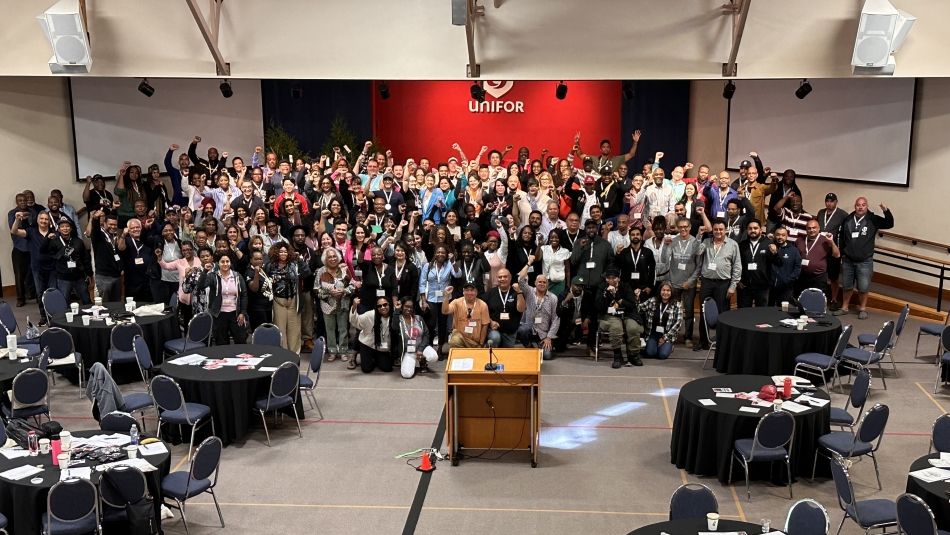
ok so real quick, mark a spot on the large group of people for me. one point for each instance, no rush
(392, 263)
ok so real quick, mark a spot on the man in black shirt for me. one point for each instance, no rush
(102, 229)
(856, 241)
(505, 306)
(637, 264)
(616, 306)
(756, 276)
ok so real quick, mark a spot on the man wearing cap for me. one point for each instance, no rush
(856, 240)
(830, 218)
(392, 199)
(721, 273)
(541, 322)
(782, 190)
(506, 304)
(616, 306)
(574, 313)
(683, 255)
(817, 251)
(470, 319)
(610, 194)
(583, 199)
(72, 261)
(754, 187)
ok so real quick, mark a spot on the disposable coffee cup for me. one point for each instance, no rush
(784, 306)
(132, 451)
(129, 307)
(74, 307)
(108, 321)
(11, 344)
(800, 326)
(777, 404)
(129, 299)
(65, 440)
(63, 460)
(70, 316)
(712, 521)
(44, 446)
(85, 321)
(97, 301)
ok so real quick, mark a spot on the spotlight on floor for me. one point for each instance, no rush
(383, 90)
(478, 92)
(729, 90)
(226, 90)
(561, 91)
(803, 89)
(145, 88)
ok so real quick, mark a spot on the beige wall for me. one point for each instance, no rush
(919, 210)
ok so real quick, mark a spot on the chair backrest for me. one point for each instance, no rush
(71, 500)
(123, 334)
(43, 360)
(173, 302)
(812, 301)
(58, 341)
(711, 311)
(117, 422)
(860, 389)
(940, 434)
(843, 339)
(884, 337)
(284, 381)
(8, 320)
(692, 500)
(30, 388)
(207, 457)
(914, 516)
(121, 485)
(873, 424)
(167, 394)
(199, 328)
(806, 517)
(142, 354)
(842, 482)
(901, 320)
(774, 430)
(54, 302)
(316, 358)
(267, 334)
(944, 336)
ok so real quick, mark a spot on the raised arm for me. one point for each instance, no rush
(633, 148)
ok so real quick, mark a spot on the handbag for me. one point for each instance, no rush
(768, 393)
(18, 431)
(140, 514)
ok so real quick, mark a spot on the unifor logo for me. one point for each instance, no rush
(497, 89)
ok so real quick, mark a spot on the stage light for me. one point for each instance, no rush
(627, 91)
(145, 88)
(478, 93)
(728, 90)
(561, 91)
(803, 89)
(226, 90)
(383, 90)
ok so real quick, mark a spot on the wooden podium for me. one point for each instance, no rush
(493, 410)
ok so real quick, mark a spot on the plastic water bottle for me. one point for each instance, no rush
(134, 434)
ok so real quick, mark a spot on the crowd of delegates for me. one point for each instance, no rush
(394, 263)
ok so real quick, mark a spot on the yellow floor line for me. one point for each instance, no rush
(180, 463)
(935, 402)
(666, 404)
(735, 497)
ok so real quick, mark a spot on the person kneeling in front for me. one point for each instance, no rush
(470, 318)
(616, 306)
(411, 337)
(662, 318)
(375, 338)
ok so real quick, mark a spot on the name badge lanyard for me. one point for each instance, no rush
(636, 258)
(663, 310)
(65, 246)
(504, 301)
(828, 219)
(857, 222)
(410, 331)
(379, 275)
(716, 250)
(388, 197)
(572, 240)
(468, 271)
(755, 249)
(814, 243)
(682, 249)
(138, 247)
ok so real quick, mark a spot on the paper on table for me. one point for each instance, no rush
(188, 359)
(267, 369)
(763, 325)
(719, 533)
(137, 462)
(100, 441)
(791, 406)
(155, 448)
(760, 403)
(707, 402)
(150, 310)
(753, 410)
(816, 402)
(939, 463)
(779, 380)
(725, 395)
(927, 475)
(14, 453)
(239, 361)
(20, 472)
(83, 472)
(462, 365)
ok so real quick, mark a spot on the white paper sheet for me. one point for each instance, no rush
(753, 410)
(813, 401)
(791, 406)
(14, 453)
(188, 359)
(138, 462)
(930, 475)
(82, 472)
(267, 369)
(155, 448)
(20, 472)
(707, 402)
(462, 365)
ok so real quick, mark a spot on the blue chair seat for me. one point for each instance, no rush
(932, 329)
(867, 339)
(859, 355)
(196, 411)
(180, 345)
(84, 525)
(874, 512)
(137, 401)
(945, 357)
(27, 412)
(744, 447)
(121, 357)
(815, 359)
(176, 485)
(276, 402)
(305, 382)
(840, 442)
(841, 416)
(3, 521)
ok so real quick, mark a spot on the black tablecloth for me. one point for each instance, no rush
(695, 525)
(935, 494)
(230, 392)
(24, 503)
(704, 437)
(741, 347)
(9, 369)
(94, 341)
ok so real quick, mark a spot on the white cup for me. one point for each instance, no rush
(108, 321)
(98, 301)
(85, 321)
(131, 319)
(129, 307)
(11, 344)
(800, 326)
(65, 440)
(777, 404)
(133, 304)
(132, 451)
(44, 446)
(784, 306)
(129, 299)
(712, 521)
(70, 316)
(63, 460)
(74, 307)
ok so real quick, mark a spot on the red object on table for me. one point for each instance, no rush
(787, 388)
(55, 449)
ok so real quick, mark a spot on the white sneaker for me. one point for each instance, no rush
(167, 513)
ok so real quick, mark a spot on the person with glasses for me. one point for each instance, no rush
(412, 340)
(683, 256)
(721, 273)
(375, 339)
(541, 322)
(470, 319)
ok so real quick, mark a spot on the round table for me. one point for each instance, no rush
(704, 437)
(9, 368)
(24, 502)
(741, 347)
(228, 390)
(695, 525)
(93, 342)
(935, 494)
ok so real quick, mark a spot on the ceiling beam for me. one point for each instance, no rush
(210, 33)
(740, 13)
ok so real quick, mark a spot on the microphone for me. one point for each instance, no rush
(491, 366)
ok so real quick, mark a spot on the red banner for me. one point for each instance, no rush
(422, 119)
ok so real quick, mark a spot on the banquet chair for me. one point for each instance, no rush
(120, 344)
(197, 336)
(807, 517)
(772, 442)
(267, 334)
(173, 303)
(914, 516)
(869, 339)
(173, 409)
(3, 524)
(201, 477)
(30, 396)
(692, 500)
(9, 324)
(858, 396)
(865, 441)
(856, 357)
(282, 393)
(867, 514)
(54, 302)
(72, 506)
(945, 358)
(931, 329)
(940, 434)
(813, 302)
(308, 382)
(119, 486)
(711, 314)
(819, 364)
(117, 422)
(60, 345)
(141, 401)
